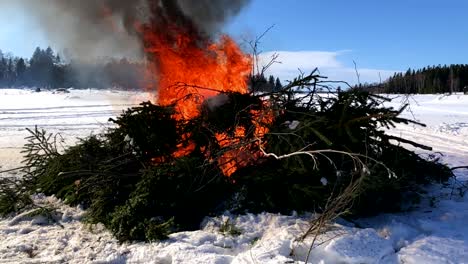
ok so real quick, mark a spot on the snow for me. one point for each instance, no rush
(433, 232)
(75, 114)
(364, 246)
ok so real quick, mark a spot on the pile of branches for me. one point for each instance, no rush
(154, 174)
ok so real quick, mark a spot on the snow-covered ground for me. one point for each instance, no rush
(76, 114)
(434, 232)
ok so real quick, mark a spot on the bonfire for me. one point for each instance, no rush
(191, 70)
(205, 144)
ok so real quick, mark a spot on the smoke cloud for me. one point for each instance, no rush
(106, 28)
(208, 15)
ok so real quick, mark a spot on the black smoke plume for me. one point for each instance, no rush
(106, 28)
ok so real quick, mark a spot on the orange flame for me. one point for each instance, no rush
(191, 69)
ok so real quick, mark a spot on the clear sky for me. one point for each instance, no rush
(380, 36)
(18, 33)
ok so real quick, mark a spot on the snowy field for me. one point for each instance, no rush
(434, 232)
(76, 114)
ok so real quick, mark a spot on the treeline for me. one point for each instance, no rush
(429, 80)
(46, 69)
(259, 83)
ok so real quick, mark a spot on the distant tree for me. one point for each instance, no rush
(258, 83)
(57, 59)
(278, 85)
(3, 70)
(49, 53)
(10, 73)
(271, 80)
(20, 72)
(35, 69)
(36, 55)
(42, 67)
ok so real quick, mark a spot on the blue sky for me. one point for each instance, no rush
(18, 34)
(381, 36)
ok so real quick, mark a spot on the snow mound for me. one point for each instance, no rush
(435, 250)
(364, 246)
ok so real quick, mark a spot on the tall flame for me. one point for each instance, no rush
(189, 67)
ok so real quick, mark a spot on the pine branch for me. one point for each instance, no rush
(459, 167)
(414, 144)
